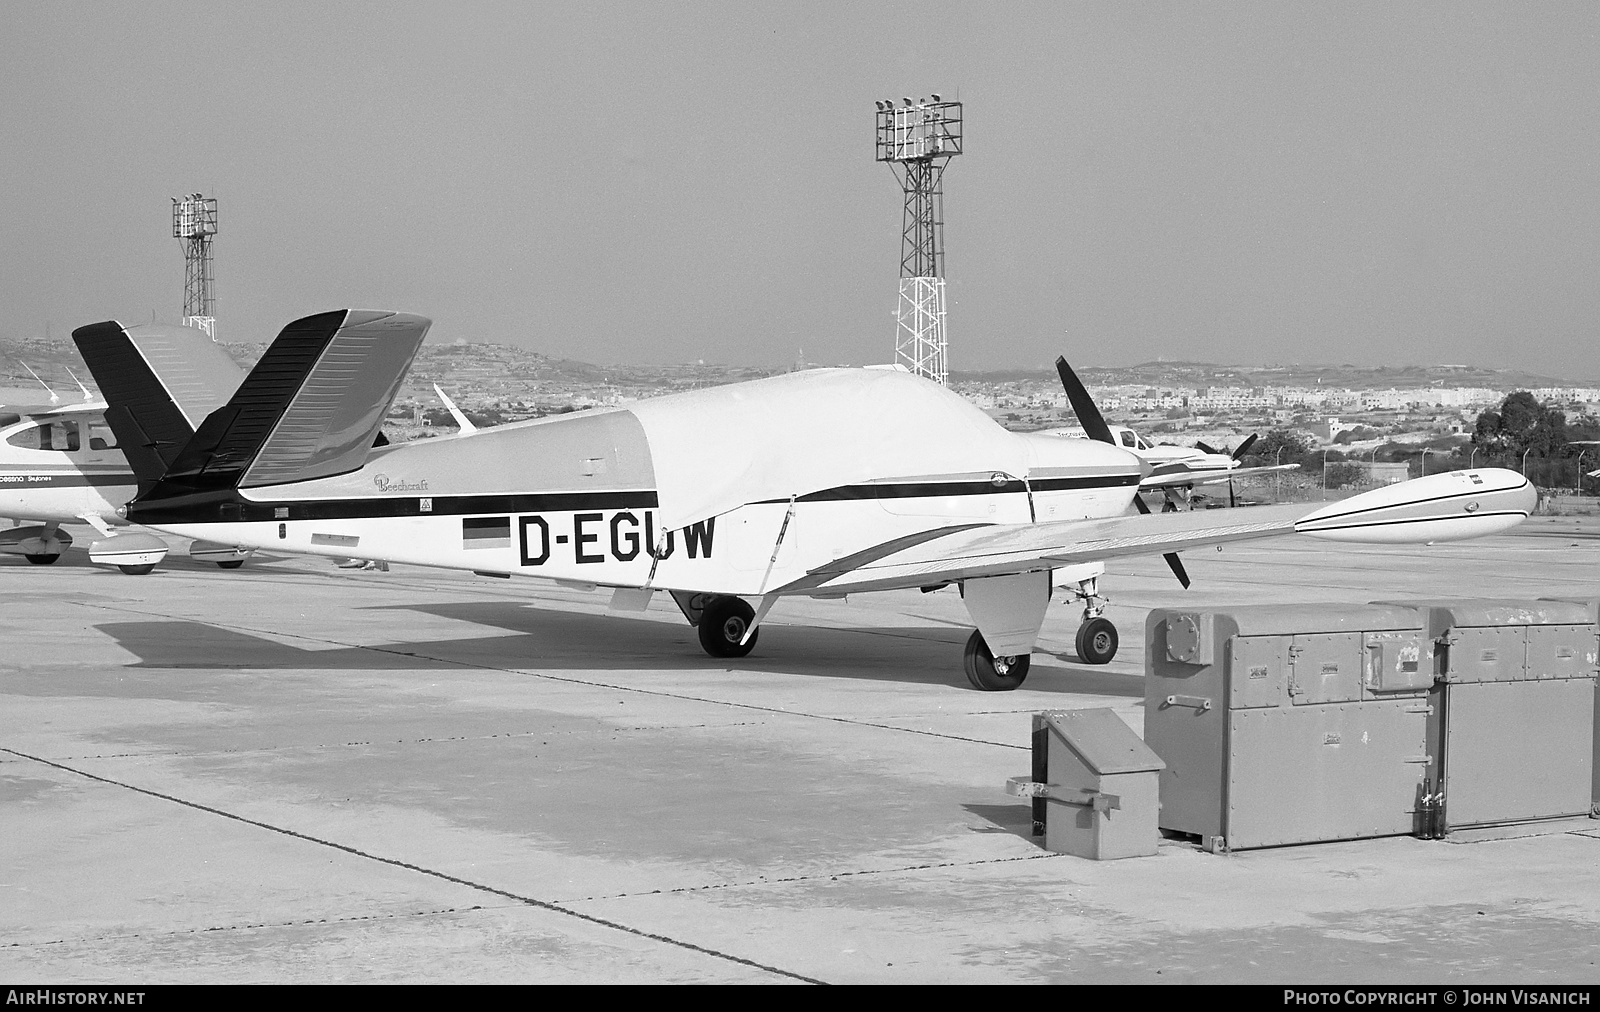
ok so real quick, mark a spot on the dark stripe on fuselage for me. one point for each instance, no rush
(928, 489)
(231, 507)
(63, 479)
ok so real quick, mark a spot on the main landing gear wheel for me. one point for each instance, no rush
(723, 624)
(1097, 641)
(138, 570)
(231, 563)
(41, 560)
(990, 673)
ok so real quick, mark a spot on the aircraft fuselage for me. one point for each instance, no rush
(575, 498)
(56, 469)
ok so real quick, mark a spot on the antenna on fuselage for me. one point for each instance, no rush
(55, 398)
(87, 396)
(467, 428)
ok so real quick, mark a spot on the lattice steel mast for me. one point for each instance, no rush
(918, 139)
(194, 221)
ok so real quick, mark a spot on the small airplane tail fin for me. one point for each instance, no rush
(159, 383)
(311, 408)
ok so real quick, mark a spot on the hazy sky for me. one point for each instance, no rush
(1387, 183)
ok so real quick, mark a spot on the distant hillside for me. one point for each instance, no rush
(1204, 374)
(489, 371)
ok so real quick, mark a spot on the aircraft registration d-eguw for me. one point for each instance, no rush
(820, 483)
(61, 464)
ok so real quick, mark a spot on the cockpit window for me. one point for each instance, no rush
(61, 436)
(1128, 439)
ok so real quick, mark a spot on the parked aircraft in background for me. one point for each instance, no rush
(821, 483)
(1176, 470)
(62, 464)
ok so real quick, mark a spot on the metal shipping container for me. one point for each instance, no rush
(1514, 738)
(1288, 724)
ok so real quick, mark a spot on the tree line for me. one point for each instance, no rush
(1521, 434)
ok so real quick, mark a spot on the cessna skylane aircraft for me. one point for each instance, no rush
(61, 464)
(820, 483)
(1176, 470)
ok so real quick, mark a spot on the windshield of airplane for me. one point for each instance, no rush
(59, 435)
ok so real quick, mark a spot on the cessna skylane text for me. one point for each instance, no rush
(820, 483)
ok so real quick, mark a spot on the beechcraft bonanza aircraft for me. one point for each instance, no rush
(62, 464)
(820, 483)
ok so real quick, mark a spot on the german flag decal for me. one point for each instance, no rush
(485, 532)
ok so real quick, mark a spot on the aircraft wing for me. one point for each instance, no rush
(1206, 476)
(1439, 507)
(960, 553)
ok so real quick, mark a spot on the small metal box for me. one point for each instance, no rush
(1093, 786)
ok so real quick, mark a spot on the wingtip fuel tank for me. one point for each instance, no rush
(1439, 507)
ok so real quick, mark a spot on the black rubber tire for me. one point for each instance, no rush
(722, 625)
(1097, 641)
(985, 673)
(42, 560)
(231, 564)
(138, 570)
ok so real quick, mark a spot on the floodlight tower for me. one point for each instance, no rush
(918, 139)
(194, 221)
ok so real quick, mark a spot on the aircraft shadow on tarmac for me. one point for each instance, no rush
(571, 641)
(917, 654)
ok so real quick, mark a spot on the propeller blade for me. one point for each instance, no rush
(1244, 447)
(1176, 565)
(1202, 447)
(1232, 504)
(1089, 416)
(1173, 562)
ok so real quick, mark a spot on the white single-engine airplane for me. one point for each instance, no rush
(62, 464)
(1175, 470)
(820, 483)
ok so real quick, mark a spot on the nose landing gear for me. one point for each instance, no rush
(1097, 638)
(1097, 641)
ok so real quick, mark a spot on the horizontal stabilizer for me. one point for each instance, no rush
(159, 383)
(310, 408)
(1180, 477)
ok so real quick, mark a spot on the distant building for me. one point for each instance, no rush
(1331, 427)
(1383, 472)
